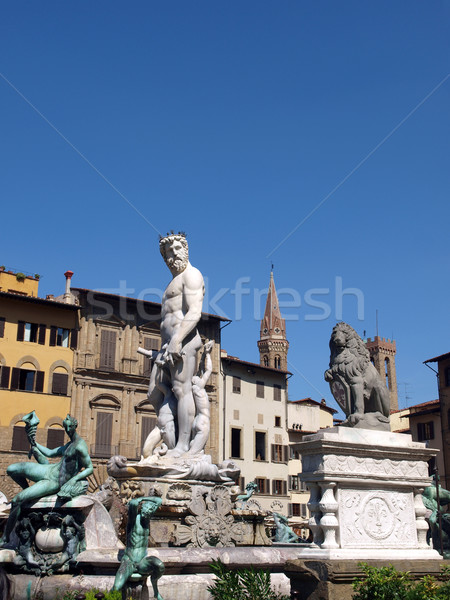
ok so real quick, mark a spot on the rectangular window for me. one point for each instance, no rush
(303, 510)
(149, 344)
(236, 385)
(55, 437)
(260, 389)
(425, 431)
(108, 349)
(62, 337)
(147, 425)
(2, 327)
(59, 384)
(294, 509)
(103, 434)
(294, 483)
(263, 485)
(31, 332)
(26, 380)
(260, 445)
(279, 487)
(20, 441)
(280, 453)
(277, 392)
(4, 377)
(277, 421)
(235, 443)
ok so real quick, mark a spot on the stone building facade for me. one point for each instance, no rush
(109, 396)
(254, 408)
(38, 337)
(382, 353)
(443, 380)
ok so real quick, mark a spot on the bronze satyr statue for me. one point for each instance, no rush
(65, 478)
(135, 559)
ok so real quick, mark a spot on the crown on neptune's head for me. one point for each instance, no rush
(172, 234)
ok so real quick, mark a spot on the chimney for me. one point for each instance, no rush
(67, 294)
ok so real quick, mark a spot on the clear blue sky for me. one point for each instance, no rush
(233, 121)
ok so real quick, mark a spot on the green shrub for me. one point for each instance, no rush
(386, 583)
(244, 584)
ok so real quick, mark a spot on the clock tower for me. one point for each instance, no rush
(273, 345)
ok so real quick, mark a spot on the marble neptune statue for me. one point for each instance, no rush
(170, 390)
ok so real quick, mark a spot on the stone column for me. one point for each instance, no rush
(421, 524)
(328, 522)
(315, 513)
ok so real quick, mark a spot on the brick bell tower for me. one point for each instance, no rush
(382, 354)
(273, 345)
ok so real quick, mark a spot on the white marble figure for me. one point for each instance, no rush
(201, 425)
(170, 390)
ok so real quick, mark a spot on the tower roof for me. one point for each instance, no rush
(272, 325)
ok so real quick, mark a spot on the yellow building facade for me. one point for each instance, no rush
(37, 341)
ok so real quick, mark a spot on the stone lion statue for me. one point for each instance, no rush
(355, 383)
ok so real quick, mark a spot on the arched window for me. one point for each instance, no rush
(20, 441)
(104, 415)
(266, 360)
(55, 436)
(60, 381)
(277, 362)
(387, 372)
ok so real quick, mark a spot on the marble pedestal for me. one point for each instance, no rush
(366, 494)
(197, 514)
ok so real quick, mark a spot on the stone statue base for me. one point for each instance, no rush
(366, 494)
(197, 514)
(197, 468)
(51, 536)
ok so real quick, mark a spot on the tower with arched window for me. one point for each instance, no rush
(272, 344)
(382, 354)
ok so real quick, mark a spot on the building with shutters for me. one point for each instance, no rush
(254, 407)
(441, 366)
(305, 417)
(109, 396)
(37, 341)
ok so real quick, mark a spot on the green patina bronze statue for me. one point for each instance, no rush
(430, 500)
(284, 534)
(66, 478)
(135, 559)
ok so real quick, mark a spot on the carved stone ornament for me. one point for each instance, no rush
(179, 491)
(131, 489)
(211, 523)
(364, 465)
(377, 519)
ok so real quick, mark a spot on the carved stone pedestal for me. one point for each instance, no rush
(197, 514)
(366, 494)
